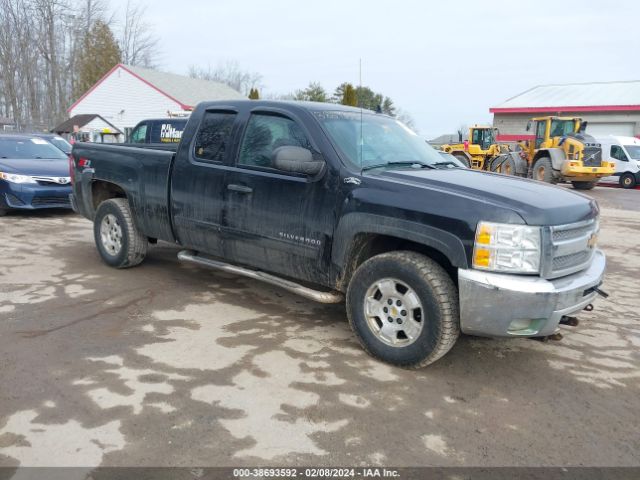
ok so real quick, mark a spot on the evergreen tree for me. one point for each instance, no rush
(99, 54)
(349, 95)
(254, 94)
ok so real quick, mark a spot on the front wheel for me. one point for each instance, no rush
(584, 185)
(543, 171)
(403, 308)
(628, 180)
(119, 241)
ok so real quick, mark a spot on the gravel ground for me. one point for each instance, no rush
(170, 364)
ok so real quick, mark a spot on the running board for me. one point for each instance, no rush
(316, 295)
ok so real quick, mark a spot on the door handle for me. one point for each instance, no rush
(239, 188)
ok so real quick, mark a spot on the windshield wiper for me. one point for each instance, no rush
(454, 165)
(411, 164)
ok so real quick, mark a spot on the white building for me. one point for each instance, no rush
(126, 95)
(610, 108)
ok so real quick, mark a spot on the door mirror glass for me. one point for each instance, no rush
(528, 125)
(296, 160)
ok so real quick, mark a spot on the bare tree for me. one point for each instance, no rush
(138, 43)
(230, 73)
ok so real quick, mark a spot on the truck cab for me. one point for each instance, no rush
(158, 131)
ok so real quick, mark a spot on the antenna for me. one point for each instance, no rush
(361, 133)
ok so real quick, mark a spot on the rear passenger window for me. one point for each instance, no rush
(214, 137)
(264, 134)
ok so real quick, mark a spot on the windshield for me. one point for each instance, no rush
(28, 148)
(375, 140)
(633, 151)
(560, 128)
(62, 144)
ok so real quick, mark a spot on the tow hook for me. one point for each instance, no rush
(602, 293)
(588, 308)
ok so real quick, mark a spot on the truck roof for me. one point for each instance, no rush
(619, 139)
(313, 106)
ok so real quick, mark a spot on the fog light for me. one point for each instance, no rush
(519, 324)
(526, 326)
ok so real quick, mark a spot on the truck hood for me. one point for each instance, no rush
(51, 167)
(535, 202)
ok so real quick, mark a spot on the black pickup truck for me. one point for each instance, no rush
(332, 202)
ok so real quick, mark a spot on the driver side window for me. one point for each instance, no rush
(618, 153)
(264, 134)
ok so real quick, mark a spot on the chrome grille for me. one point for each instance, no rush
(570, 248)
(592, 157)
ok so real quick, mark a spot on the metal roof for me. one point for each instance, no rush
(597, 96)
(80, 120)
(186, 90)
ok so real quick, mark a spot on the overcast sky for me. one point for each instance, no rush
(445, 63)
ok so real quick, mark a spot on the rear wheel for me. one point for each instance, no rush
(3, 212)
(543, 171)
(628, 180)
(119, 241)
(403, 307)
(584, 185)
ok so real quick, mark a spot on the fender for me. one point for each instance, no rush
(354, 223)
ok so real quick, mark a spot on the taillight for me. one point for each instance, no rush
(72, 173)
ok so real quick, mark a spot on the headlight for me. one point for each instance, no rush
(15, 178)
(507, 248)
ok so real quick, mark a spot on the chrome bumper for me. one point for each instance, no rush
(499, 305)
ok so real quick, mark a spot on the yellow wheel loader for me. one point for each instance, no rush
(481, 152)
(562, 151)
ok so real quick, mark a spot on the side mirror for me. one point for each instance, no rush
(297, 160)
(528, 125)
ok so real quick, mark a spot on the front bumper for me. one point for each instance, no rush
(34, 196)
(583, 172)
(499, 305)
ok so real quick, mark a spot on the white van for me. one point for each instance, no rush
(625, 153)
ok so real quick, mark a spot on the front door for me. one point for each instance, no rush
(197, 186)
(274, 220)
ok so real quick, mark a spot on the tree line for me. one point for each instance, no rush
(52, 51)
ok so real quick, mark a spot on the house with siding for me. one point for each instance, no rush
(126, 95)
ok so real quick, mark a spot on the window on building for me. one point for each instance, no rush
(214, 137)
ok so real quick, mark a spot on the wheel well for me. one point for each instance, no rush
(101, 191)
(367, 245)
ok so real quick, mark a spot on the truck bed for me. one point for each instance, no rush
(143, 173)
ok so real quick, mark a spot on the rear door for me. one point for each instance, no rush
(274, 220)
(197, 182)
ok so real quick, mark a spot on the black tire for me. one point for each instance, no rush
(584, 185)
(543, 171)
(3, 212)
(134, 244)
(628, 180)
(462, 158)
(504, 166)
(438, 298)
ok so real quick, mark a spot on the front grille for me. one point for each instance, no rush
(44, 201)
(567, 261)
(592, 156)
(570, 248)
